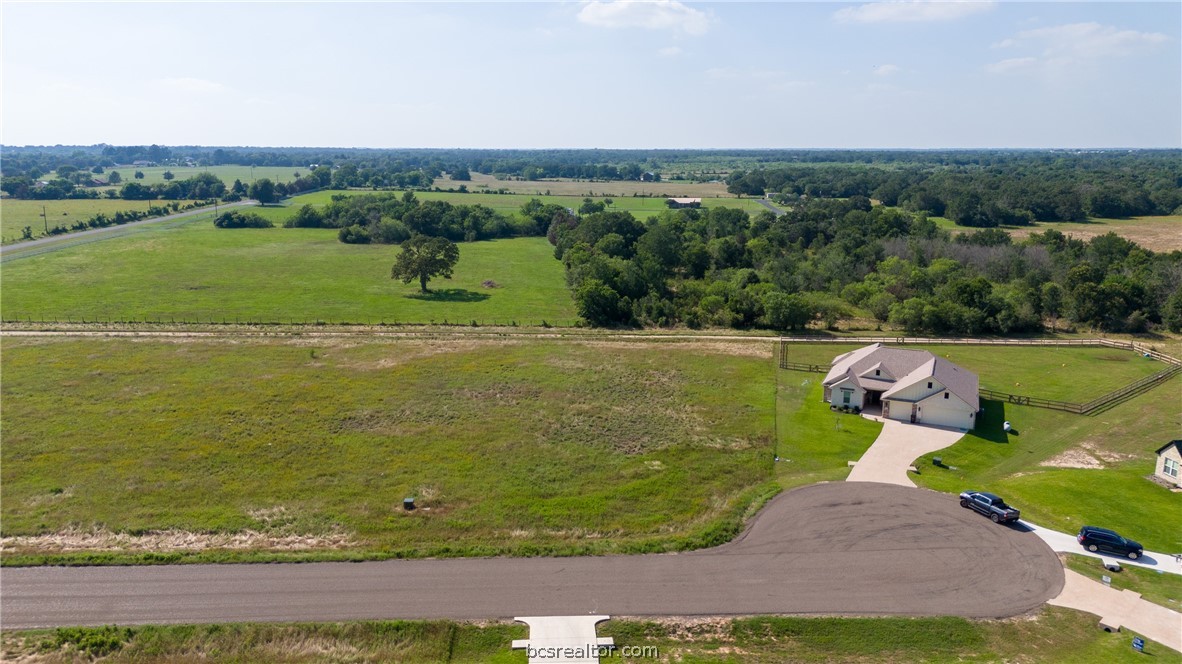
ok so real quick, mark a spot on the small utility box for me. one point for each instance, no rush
(937, 461)
(408, 504)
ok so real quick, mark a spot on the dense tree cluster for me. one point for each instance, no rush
(1028, 187)
(239, 219)
(392, 218)
(202, 185)
(830, 260)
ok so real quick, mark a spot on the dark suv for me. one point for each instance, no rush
(1102, 539)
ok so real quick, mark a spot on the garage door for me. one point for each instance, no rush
(944, 417)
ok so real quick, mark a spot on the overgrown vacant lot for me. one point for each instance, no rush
(198, 272)
(1052, 635)
(509, 447)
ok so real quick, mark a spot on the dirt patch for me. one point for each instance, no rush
(1073, 458)
(692, 629)
(1086, 455)
(169, 540)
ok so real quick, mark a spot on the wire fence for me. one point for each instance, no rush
(1091, 407)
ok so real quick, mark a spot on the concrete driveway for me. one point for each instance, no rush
(896, 448)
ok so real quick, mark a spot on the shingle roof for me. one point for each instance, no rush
(1172, 443)
(912, 365)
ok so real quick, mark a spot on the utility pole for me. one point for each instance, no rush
(45, 218)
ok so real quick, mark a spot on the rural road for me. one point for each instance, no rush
(835, 548)
(54, 242)
(775, 210)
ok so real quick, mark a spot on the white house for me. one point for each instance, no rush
(1169, 463)
(910, 385)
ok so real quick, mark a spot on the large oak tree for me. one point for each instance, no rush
(424, 257)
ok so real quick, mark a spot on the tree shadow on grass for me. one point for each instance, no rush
(450, 295)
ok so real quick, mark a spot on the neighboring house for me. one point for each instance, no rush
(684, 203)
(648, 176)
(910, 385)
(1169, 463)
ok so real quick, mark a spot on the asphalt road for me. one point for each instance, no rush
(836, 548)
(55, 242)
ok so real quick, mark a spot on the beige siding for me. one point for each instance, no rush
(919, 390)
(950, 412)
(855, 395)
(1170, 453)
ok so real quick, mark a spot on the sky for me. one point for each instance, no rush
(600, 74)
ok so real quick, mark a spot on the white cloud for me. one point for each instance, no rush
(186, 85)
(886, 70)
(1090, 40)
(911, 11)
(670, 52)
(1010, 65)
(653, 15)
(1062, 46)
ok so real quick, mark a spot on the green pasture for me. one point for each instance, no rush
(226, 173)
(16, 214)
(507, 204)
(200, 273)
(511, 447)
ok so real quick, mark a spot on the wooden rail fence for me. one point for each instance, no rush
(1174, 367)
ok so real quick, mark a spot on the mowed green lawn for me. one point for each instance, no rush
(16, 214)
(200, 273)
(510, 446)
(1026, 465)
(816, 443)
(1065, 373)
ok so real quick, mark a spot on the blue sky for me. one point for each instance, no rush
(595, 74)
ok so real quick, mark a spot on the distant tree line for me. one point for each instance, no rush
(1016, 192)
(829, 260)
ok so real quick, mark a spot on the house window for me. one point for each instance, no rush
(945, 395)
(1171, 468)
(929, 385)
(845, 397)
(877, 372)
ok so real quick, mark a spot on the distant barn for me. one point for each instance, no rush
(677, 203)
